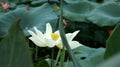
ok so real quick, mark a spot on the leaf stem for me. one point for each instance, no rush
(63, 37)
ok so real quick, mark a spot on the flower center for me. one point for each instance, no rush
(55, 36)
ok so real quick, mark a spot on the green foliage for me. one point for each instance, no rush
(113, 43)
(41, 63)
(89, 57)
(112, 62)
(1, 11)
(74, 1)
(17, 1)
(37, 16)
(106, 15)
(78, 11)
(38, 2)
(14, 49)
(94, 18)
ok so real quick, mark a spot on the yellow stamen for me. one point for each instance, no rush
(55, 36)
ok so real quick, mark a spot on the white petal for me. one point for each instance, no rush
(70, 36)
(59, 44)
(39, 33)
(31, 33)
(57, 32)
(37, 42)
(48, 28)
(74, 44)
(50, 43)
(48, 31)
(75, 33)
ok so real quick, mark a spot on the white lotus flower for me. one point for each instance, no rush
(43, 40)
(50, 39)
(72, 44)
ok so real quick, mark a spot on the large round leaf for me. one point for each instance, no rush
(105, 15)
(112, 62)
(74, 1)
(89, 57)
(1, 11)
(37, 16)
(78, 11)
(16, 1)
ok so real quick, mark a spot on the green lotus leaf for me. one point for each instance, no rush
(37, 16)
(89, 57)
(112, 62)
(106, 15)
(78, 11)
(74, 1)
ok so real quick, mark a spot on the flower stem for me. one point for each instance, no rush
(57, 58)
(62, 58)
(52, 55)
(36, 53)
